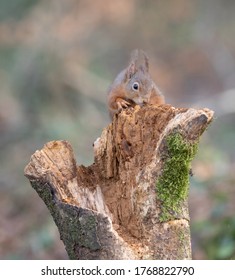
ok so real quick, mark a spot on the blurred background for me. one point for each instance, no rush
(57, 59)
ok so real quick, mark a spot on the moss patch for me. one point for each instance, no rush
(173, 184)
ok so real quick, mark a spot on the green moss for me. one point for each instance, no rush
(173, 184)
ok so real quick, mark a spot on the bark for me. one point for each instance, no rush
(131, 203)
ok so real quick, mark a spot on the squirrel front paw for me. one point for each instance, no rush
(122, 104)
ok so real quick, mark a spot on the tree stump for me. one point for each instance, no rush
(131, 203)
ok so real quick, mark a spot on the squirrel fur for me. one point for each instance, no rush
(133, 85)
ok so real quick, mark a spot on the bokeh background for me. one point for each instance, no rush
(57, 59)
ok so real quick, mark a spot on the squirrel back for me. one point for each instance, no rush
(133, 85)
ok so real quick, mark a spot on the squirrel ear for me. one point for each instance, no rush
(143, 61)
(131, 70)
(146, 61)
(140, 59)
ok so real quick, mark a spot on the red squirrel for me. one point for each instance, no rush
(133, 85)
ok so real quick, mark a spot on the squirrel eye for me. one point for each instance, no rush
(135, 86)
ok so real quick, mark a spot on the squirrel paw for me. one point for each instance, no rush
(122, 104)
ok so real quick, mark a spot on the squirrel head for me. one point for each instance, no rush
(138, 83)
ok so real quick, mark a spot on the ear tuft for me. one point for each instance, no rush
(140, 60)
(131, 70)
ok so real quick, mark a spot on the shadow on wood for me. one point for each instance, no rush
(131, 203)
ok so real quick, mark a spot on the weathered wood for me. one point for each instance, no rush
(132, 202)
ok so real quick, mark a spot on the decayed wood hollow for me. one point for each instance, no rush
(111, 209)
